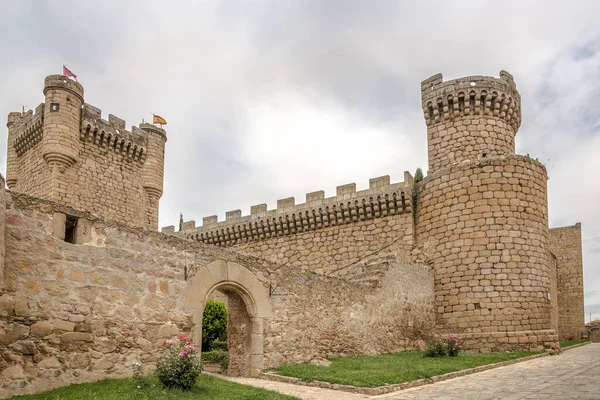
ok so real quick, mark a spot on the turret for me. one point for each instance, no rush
(153, 170)
(12, 163)
(62, 116)
(470, 118)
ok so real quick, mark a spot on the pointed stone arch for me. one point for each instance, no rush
(231, 276)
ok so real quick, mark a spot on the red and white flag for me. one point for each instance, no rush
(67, 72)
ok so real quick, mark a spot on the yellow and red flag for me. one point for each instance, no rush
(157, 119)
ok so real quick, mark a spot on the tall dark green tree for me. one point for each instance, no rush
(214, 324)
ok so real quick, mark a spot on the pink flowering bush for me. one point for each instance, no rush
(178, 366)
(436, 346)
(453, 344)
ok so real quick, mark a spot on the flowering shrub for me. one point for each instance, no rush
(178, 366)
(438, 347)
(434, 347)
(453, 344)
(570, 337)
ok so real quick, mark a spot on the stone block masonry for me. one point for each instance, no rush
(67, 153)
(76, 312)
(565, 244)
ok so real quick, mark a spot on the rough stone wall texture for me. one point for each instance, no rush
(2, 228)
(342, 251)
(565, 244)
(334, 317)
(334, 236)
(593, 331)
(69, 154)
(470, 118)
(79, 312)
(484, 226)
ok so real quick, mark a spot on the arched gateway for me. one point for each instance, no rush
(243, 289)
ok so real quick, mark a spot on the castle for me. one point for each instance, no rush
(87, 286)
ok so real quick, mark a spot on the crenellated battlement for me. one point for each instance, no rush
(66, 152)
(471, 96)
(382, 199)
(28, 128)
(112, 134)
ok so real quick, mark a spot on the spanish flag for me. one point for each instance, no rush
(157, 119)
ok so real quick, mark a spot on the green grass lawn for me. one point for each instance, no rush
(386, 369)
(567, 343)
(208, 387)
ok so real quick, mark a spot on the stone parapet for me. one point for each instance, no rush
(470, 96)
(347, 207)
(112, 135)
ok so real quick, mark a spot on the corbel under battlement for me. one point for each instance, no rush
(28, 128)
(111, 134)
(471, 95)
(382, 199)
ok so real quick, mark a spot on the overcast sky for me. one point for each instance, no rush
(271, 100)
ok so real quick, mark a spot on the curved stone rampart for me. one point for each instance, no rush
(484, 227)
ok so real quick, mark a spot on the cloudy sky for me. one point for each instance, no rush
(266, 100)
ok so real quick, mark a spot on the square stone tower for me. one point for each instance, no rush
(65, 152)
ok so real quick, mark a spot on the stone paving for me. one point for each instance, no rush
(575, 374)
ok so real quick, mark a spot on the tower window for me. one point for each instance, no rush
(70, 225)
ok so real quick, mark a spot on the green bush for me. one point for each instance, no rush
(178, 366)
(218, 345)
(220, 357)
(438, 347)
(214, 324)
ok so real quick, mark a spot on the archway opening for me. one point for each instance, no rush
(247, 308)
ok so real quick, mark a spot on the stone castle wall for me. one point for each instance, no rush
(85, 311)
(565, 244)
(337, 236)
(67, 153)
(484, 226)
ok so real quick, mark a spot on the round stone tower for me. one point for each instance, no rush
(62, 118)
(153, 169)
(470, 118)
(482, 219)
(12, 163)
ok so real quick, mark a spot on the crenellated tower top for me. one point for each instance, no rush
(66, 152)
(470, 118)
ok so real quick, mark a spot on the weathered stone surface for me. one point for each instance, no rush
(76, 336)
(50, 362)
(41, 329)
(13, 372)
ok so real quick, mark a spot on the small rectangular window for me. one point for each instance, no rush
(70, 225)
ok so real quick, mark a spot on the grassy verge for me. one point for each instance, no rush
(208, 387)
(567, 343)
(386, 369)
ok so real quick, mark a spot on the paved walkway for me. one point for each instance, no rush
(575, 374)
